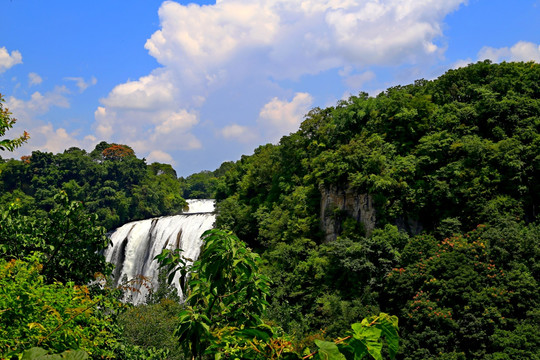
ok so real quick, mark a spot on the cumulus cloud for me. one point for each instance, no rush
(243, 134)
(238, 43)
(521, 51)
(34, 79)
(461, 63)
(281, 117)
(156, 128)
(297, 37)
(160, 156)
(46, 138)
(38, 103)
(81, 83)
(8, 60)
(354, 82)
(43, 135)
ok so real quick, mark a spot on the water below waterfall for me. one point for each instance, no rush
(135, 244)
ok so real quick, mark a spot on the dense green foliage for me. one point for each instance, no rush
(37, 353)
(111, 181)
(224, 311)
(203, 185)
(151, 326)
(472, 296)
(67, 241)
(54, 316)
(437, 158)
(225, 289)
(45, 264)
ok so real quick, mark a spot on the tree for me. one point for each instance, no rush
(117, 152)
(466, 295)
(67, 240)
(6, 123)
(225, 289)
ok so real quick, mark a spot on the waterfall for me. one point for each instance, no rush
(135, 244)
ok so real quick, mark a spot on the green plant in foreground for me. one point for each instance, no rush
(366, 338)
(37, 353)
(56, 317)
(226, 300)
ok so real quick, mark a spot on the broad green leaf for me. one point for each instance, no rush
(359, 349)
(329, 350)
(33, 353)
(37, 353)
(370, 337)
(74, 355)
(388, 325)
(254, 333)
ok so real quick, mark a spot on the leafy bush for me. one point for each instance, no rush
(55, 316)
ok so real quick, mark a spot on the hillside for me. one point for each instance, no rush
(421, 202)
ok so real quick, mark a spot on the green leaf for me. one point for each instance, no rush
(329, 350)
(388, 326)
(359, 349)
(37, 353)
(254, 333)
(33, 353)
(74, 355)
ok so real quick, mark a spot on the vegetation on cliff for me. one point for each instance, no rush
(445, 156)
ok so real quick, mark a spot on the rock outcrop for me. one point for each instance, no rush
(336, 202)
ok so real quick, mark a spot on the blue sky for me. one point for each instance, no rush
(196, 84)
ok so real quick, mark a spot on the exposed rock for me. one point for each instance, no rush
(410, 226)
(337, 201)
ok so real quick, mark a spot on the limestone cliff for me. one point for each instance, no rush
(338, 201)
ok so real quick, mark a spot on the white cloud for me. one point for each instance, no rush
(239, 133)
(46, 138)
(43, 136)
(297, 37)
(461, 63)
(160, 156)
(38, 103)
(281, 117)
(176, 121)
(148, 93)
(34, 79)
(81, 83)
(155, 123)
(521, 51)
(103, 126)
(238, 43)
(355, 82)
(8, 60)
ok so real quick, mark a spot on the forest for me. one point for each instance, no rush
(404, 225)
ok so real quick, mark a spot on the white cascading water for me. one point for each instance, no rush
(135, 244)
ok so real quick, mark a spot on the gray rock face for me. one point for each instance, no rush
(335, 201)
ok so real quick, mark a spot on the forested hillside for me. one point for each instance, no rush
(449, 173)
(111, 181)
(421, 202)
